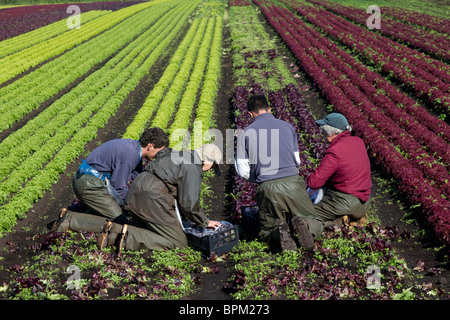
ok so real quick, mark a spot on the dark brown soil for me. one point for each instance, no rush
(34, 227)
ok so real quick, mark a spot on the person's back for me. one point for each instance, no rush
(120, 159)
(271, 145)
(353, 173)
(344, 173)
(101, 182)
(346, 167)
(171, 175)
(267, 153)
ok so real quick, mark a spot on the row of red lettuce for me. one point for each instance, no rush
(18, 20)
(391, 149)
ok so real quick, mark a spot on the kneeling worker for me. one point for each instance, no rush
(171, 180)
(286, 213)
(101, 182)
(345, 174)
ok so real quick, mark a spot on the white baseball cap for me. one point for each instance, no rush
(212, 153)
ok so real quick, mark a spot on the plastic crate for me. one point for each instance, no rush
(219, 242)
(250, 220)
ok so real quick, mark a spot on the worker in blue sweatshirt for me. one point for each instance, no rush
(101, 183)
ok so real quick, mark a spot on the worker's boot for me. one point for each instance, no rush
(104, 236)
(113, 234)
(358, 223)
(120, 242)
(286, 240)
(62, 222)
(301, 231)
(346, 220)
(78, 221)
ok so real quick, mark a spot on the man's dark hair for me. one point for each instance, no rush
(156, 136)
(257, 103)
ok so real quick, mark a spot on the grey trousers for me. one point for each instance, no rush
(93, 193)
(153, 237)
(280, 200)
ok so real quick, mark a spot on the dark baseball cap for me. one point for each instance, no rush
(335, 120)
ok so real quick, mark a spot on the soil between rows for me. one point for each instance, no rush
(34, 227)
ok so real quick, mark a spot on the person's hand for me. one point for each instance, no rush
(213, 224)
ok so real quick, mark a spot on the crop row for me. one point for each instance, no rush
(243, 191)
(432, 43)
(96, 82)
(415, 18)
(239, 3)
(152, 101)
(251, 45)
(255, 56)
(22, 19)
(308, 130)
(355, 86)
(346, 99)
(347, 65)
(118, 37)
(427, 78)
(30, 91)
(43, 167)
(26, 40)
(210, 88)
(289, 105)
(190, 81)
(21, 61)
(166, 108)
(259, 273)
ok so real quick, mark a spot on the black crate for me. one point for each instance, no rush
(219, 242)
(250, 220)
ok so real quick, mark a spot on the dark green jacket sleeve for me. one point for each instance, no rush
(189, 188)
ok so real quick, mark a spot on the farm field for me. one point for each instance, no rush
(190, 66)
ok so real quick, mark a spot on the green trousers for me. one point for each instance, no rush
(93, 193)
(280, 200)
(336, 204)
(153, 237)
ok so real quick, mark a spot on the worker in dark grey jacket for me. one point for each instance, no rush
(171, 181)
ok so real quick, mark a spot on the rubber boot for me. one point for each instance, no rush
(304, 236)
(286, 240)
(78, 221)
(112, 234)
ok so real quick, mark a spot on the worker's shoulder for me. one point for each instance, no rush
(269, 123)
(352, 139)
(347, 143)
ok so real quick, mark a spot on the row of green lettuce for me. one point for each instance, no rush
(39, 152)
(186, 92)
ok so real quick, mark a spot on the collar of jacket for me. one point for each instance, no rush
(158, 157)
(339, 137)
(163, 153)
(263, 116)
(185, 156)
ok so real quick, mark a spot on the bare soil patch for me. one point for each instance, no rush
(417, 250)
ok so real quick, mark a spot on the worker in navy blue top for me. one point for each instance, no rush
(101, 183)
(268, 154)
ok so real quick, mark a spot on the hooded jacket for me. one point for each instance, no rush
(172, 175)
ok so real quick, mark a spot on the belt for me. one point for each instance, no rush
(85, 168)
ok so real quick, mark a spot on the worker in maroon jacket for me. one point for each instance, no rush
(344, 174)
